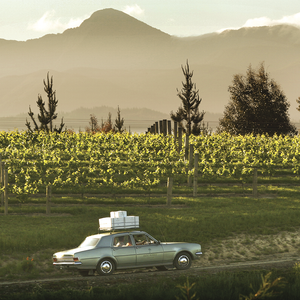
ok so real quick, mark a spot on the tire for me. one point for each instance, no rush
(105, 267)
(84, 273)
(182, 261)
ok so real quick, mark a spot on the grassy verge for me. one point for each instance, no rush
(225, 285)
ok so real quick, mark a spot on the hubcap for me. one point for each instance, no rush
(106, 266)
(183, 260)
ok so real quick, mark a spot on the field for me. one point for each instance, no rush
(229, 223)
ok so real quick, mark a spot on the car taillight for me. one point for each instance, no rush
(54, 259)
(76, 259)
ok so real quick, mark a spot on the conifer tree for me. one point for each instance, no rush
(46, 117)
(188, 115)
(119, 122)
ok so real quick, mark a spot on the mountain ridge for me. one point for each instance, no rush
(142, 70)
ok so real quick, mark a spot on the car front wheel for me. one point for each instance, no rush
(182, 261)
(105, 267)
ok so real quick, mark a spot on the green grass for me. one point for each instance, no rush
(194, 219)
(28, 232)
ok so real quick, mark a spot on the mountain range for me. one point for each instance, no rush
(112, 59)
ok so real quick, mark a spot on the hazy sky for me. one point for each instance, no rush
(27, 19)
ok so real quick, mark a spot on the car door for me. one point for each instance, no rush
(124, 251)
(148, 251)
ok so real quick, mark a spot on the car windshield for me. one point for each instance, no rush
(89, 242)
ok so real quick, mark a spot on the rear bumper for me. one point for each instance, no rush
(73, 264)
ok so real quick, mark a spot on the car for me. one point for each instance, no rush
(108, 252)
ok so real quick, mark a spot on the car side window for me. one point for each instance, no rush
(122, 241)
(142, 239)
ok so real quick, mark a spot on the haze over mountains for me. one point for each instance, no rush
(113, 59)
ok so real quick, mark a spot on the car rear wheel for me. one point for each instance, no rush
(182, 261)
(105, 267)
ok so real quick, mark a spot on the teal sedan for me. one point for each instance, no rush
(108, 252)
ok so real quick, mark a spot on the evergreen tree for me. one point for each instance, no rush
(119, 122)
(45, 116)
(188, 115)
(257, 106)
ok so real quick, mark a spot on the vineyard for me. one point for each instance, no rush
(92, 162)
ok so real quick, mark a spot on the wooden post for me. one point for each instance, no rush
(169, 127)
(165, 127)
(48, 199)
(156, 128)
(255, 194)
(6, 192)
(175, 131)
(160, 126)
(195, 174)
(153, 129)
(191, 154)
(187, 145)
(179, 139)
(169, 190)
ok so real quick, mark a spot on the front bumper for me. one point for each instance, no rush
(198, 254)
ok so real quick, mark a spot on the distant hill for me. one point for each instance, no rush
(135, 119)
(113, 59)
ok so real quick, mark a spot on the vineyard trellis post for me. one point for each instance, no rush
(175, 131)
(255, 194)
(195, 174)
(5, 191)
(169, 190)
(48, 199)
(169, 127)
(191, 154)
(165, 127)
(179, 139)
(156, 128)
(186, 147)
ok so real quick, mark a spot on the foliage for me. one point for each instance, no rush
(188, 115)
(298, 102)
(94, 126)
(186, 291)
(257, 106)
(85, 161)
(266, 289)
(27, 265)
(46, 117)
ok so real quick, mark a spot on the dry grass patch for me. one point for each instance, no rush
(242, 247)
